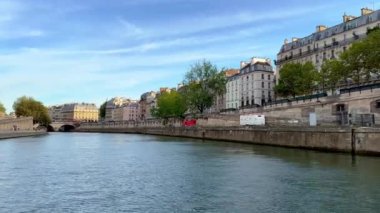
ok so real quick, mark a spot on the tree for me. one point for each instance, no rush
(2, 109)
(203, 82)
(296, 79)
(170, 105)
(102, 110)
(332, 72)
(27, 106)
(363, 58)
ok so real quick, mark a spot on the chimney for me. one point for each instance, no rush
(286, 41)
(366, 11)
(242, 64)
(294, 39)
(320, 28)
(347, 18)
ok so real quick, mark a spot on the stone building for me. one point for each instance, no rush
(220, 100)
(113, 104)
(127, 112)
(82, 112)
(327, 42)
(147, 102)
(253, 86)
(55, 113)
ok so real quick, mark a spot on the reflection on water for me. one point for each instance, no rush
(136, 173)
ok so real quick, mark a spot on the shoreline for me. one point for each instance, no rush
(20, 134)
(357, 141)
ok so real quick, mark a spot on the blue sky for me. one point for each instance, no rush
(90, 50)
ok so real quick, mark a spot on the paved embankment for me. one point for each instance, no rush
(19, 134)
(357, 141)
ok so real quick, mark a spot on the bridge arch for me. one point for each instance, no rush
(66, 128)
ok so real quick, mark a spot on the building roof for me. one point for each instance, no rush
(331, 31)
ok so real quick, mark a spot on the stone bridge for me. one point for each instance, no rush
(62, 126)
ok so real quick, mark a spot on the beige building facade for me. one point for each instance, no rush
(327, 42)
(147, 102)
(128, 112)
(80, 112)
(113, 113)
(253, 86)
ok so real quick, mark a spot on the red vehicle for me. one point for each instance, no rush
(191, 122)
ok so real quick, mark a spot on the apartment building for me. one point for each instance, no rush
(113, 104)
(127, 112)
(327, 42)
(147, 101)
(252, 86)
(83, 112)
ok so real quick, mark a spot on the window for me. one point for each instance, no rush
(268, 77)
(262, 76)
(268, 85)
(340, 108)
(262, 84)
(378, 104)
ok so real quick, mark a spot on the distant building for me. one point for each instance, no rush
(252, 86)
(327, 42)
(147, 102)
(113, 104)
(127, 112)
(220, 100)
(82, 112)
(55, 113)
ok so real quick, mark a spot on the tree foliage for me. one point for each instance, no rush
(203, 82)
(2, 108)
(296, 79)
(27, 106)
(331, 74)
(170, 105)
(102, 110)
(358, 63)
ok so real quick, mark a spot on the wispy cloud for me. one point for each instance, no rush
(90, 50)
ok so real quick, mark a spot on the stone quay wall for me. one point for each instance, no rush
(356, 141)
(296, 113)
(19, 134)
(16, 124)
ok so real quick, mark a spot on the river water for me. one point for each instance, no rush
(79, 172)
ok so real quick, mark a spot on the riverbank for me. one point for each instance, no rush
(363, 141)
(19, 134)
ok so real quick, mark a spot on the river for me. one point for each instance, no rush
(89, 172)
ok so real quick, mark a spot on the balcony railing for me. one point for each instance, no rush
(314, 50)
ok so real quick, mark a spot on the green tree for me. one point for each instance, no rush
(203, 82)
(331, 74)
(170, 105)
(296, 79)
(27, 106)
(2, 108)
(363, 58)
(102, 110)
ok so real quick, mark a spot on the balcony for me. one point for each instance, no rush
(335, 44)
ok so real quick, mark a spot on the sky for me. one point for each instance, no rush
(92, 50)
